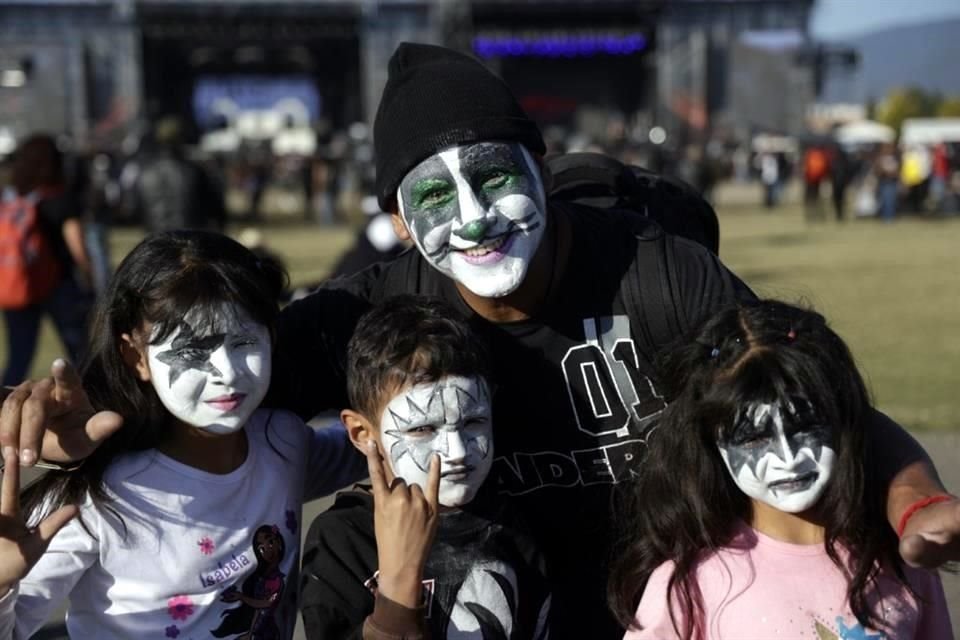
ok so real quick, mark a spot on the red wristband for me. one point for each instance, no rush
(916, 506)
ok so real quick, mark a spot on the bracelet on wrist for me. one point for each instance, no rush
(917, 506)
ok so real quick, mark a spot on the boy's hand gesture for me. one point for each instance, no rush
(21, 547)
(405, 521)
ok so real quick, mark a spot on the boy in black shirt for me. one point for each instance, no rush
(425, 549)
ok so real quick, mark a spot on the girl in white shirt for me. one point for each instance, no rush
(189, 516)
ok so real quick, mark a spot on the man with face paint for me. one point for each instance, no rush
(549, 286)
(425, 550)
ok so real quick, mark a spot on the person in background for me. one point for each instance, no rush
(38, 182)
(887, 170)
(173, 191)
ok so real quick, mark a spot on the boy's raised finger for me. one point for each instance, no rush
(375, 467)
(433, 481)
(9, 498)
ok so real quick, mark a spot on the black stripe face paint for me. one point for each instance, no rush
(780, 455)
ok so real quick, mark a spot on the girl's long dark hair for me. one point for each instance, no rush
(165, 278)
(684, 505)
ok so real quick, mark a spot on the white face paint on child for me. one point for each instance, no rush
(780, 455)
(450, 417)
(214, 380)
(477, 214)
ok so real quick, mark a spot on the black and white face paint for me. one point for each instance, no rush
(477, 213)
(780, 455)
(450, 417)
(213, 381)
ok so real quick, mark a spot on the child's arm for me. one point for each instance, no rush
(332, 462)
(405, 522)
(21, 549)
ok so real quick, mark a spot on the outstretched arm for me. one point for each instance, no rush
(931, 533)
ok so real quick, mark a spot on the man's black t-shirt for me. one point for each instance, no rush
(574, 400)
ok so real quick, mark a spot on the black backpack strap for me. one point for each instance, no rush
(647, 293)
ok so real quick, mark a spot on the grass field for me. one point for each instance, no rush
(893, 291)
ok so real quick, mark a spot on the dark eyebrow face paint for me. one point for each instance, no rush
(780, 455)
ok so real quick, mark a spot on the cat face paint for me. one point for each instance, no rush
(450, 417)
(213, 381)
(780, 455)
(477, 214)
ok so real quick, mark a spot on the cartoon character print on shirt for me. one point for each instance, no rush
(261, 593)
(854, 632)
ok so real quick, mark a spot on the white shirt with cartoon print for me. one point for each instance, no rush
(203, 555)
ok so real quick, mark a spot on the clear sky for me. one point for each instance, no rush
(845, 18)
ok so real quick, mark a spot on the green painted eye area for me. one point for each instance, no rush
(431, 193)
(497, 180)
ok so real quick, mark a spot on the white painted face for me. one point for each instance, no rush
(780, 455)
(450, 417)
(477, 214)
(213, 381)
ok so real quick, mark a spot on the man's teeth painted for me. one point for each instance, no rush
(483, 250)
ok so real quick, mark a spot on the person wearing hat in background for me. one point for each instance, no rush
(564, 297)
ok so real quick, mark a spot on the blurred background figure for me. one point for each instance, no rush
(770, 177)
(915, 167)
(38, 195)
(841, 173)
(172, 191)
(375, 242)
(816, 168)
(887, 169)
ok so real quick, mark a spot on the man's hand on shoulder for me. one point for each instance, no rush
(931, 536)
(54, 417)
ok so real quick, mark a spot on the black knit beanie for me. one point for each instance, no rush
(437, 98)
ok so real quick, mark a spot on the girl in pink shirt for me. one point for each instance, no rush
(758, 512)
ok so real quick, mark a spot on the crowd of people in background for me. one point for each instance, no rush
(161, 182)
(885, 181)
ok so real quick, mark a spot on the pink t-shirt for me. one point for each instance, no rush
(761, 588)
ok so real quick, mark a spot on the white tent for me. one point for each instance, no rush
(929, 131)
(864, 132)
